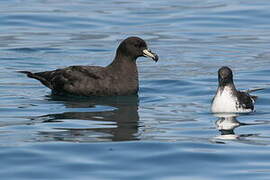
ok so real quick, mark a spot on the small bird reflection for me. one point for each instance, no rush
(119, 123)
(227, 123)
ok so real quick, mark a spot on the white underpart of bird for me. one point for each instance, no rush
(226, 102)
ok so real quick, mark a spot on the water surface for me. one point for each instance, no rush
(167, 131)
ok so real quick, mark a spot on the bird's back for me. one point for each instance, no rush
(87, 81)
(245, 100)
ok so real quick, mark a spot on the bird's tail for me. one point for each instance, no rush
(253, 90)
(28, 73)
(35, 76)
(254, 98)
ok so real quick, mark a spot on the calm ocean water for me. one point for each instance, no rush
(167, 131)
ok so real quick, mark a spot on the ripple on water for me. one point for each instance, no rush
(167, 131)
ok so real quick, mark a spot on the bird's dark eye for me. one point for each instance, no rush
(137, 45)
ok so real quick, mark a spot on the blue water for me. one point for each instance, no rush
(167, 131)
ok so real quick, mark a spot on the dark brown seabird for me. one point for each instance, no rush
(118, 78)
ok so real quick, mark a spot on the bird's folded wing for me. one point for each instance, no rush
(84, 71)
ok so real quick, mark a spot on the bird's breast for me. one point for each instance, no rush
(226, 102)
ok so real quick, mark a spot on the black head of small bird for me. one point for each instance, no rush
(225, 76)
(134, 47)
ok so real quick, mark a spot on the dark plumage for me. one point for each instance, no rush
(118, 78)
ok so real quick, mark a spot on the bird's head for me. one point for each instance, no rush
(134, 47)
(225, 76)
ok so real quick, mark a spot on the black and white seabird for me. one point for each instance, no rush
(118, 78)
(227, 98)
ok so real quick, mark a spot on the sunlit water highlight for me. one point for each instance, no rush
(167, 131)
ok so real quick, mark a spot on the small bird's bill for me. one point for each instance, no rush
(148, 53)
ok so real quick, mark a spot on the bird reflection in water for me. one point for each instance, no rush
(227, 123)
(119, 123)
